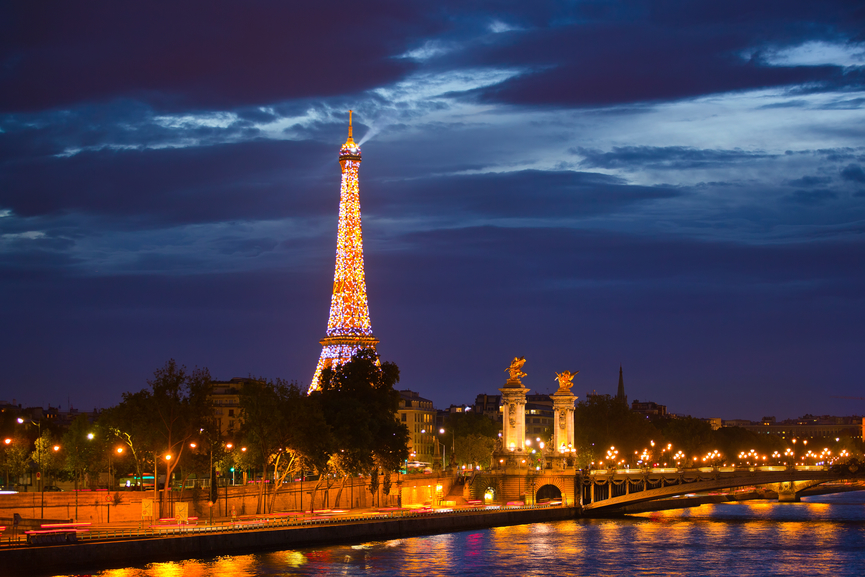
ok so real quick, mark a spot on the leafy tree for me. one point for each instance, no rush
(81, 449)
(475, 449)
(474, 437)
(124, 422)
(164, 418)
(282, 428)
(16, 457)
(178, 407)
(601, 422)
(688, 434)
(471, 423)
(359, 405)
(731, 441)
(46, 457)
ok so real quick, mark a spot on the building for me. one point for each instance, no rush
(714, 422)
(489, 406)
(539, 419)
(225, 397)
(649, 409)
(806, 427)
(419, 416)
(348, 326)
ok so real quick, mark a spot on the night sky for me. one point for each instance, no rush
(674, 186)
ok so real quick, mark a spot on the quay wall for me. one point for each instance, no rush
(44, 560)
(117, 506)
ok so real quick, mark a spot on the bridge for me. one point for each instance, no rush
(614, 491)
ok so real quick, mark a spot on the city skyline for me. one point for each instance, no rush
(676, 188)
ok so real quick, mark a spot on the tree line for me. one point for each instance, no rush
(347, 428)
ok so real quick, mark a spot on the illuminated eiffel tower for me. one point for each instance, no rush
(348, 328)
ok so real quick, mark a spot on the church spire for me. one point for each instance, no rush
(620, 393)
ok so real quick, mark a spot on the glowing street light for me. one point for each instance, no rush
(41, 476)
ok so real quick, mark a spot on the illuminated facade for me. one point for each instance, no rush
(419, 416)
(348, 327)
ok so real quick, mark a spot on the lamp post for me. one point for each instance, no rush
(41, 476)
(453, 444)
(228, 446)
(519, 479)
(7, 442)
(111, 480)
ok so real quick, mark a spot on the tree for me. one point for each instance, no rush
(359, 405)
(475, 449)
(601, 422)
(124, 422)
(474, 437)
(179, 405)
(280, 427)
(164, 418)
(693, 436)
(16, 458)
(81, 449)
(734, 440)
(46, 457)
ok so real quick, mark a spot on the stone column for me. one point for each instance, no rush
(514, 403)
(563, 414)
(563, 421)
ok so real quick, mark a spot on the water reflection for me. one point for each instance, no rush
(818, 537)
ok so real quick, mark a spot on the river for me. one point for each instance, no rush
(819, 536)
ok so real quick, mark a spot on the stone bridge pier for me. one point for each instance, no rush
(514, 482)
(788, 491)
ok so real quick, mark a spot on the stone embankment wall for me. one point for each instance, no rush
(32, 561)
(114, 506)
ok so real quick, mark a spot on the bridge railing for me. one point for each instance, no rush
(729, 469)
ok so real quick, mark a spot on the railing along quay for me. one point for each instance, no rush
(264, 522)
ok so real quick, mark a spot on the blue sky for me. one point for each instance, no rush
(676, 187)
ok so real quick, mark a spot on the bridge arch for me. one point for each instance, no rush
(554, 487)
(548, 492)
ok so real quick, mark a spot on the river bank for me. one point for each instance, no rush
(97, 555)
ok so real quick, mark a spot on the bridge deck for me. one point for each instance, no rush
(642, 485)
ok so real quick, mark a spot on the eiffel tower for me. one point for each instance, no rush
(348, 327)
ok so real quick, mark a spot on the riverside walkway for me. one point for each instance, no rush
(122, 544)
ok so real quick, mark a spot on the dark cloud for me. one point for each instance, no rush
(853, 173)
(246, 246)
(591, 300)
(681, 315)
(667, 157)
(812, 197)
(257, 179)
(144, 214)
(639, 51)
(521, 194)
(199, 54)
(810, 181)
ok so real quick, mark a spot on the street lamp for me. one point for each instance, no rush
(453, 443)
(41, 475)
(7, 442)
(228, 447)
(111, 481)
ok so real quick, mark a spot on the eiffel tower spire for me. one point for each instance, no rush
(348, 327)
